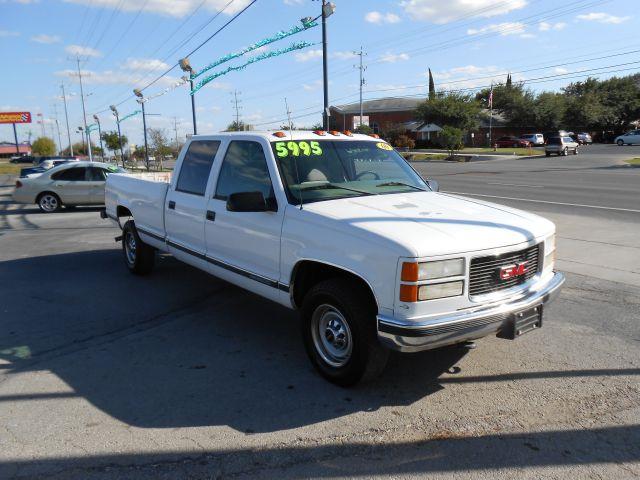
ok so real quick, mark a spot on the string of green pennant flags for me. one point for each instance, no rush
(257, 58)
(133, 114)
(307, 23)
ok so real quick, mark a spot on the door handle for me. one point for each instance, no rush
(172, 205)
(211, 215)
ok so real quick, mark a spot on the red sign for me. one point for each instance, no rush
(511, 271)
(15, 117)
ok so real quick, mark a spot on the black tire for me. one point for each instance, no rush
(338, 301)
(49, 202)
(548, 154)
(565, 152)
(575, 151)
(620, 143)
(138, 256)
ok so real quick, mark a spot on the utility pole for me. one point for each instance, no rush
(55, 112)
(237, 106)
(115, 114)
(188, 69)
(66, 116)
(362, 68)
(175, 129)
(84, 113)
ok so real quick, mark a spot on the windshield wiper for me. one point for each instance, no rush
(400, 184)
(325, 186)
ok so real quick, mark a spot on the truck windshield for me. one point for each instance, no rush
(327, 169)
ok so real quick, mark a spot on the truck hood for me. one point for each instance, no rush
(431, 224)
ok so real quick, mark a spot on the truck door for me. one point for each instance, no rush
(244, 247)
(186, 203)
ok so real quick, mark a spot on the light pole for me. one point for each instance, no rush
(84, 114)
(115, 114)
(186, 67)
(95, 117)
(66, 116)
(138, 93)
(327, 10)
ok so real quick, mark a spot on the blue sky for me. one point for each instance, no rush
(124, 44)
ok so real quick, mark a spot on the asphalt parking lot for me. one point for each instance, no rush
(104, 375)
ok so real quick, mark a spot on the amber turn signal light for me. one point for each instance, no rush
(409, 272)
(408, 293)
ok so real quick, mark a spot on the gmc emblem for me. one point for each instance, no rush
(511, 271)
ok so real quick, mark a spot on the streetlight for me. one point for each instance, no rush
(115, 114)
(95, 117)
(138, 93)
(186, 67)
(327, 10)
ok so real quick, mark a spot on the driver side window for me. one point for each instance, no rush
(244, 169)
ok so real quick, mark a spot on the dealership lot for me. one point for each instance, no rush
(106, 375)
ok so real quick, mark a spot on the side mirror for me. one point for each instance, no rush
(433, 185)
(248, 202)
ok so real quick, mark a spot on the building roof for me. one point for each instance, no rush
(7, 148)
(388, 104)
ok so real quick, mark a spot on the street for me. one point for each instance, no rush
(106, 375)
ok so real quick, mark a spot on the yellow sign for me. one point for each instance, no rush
(384, 146)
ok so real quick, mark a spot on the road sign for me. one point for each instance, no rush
(15, 117)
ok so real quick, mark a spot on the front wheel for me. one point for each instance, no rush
(548, 154)
(565, 152)
(339, 332)
(138, 256)
(575, 151)
(620, 143)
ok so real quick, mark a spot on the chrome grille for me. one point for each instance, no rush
(484, 273)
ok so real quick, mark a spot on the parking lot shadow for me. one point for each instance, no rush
(180, 348)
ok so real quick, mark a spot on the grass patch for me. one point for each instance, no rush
(10, 168)
(634, 162)
(424, 157)
(518, 151)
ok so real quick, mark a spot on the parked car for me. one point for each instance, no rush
(561, 146)
(533, 138)
(515, 142)
(22, 159)
(69, 184)
(341, 228)
(555, 133)
(583, 139)
(39, 160)
(629, 138)
(44, 166)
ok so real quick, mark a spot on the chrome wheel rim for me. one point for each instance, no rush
(331, 336)
(48, 203)
(130, 248)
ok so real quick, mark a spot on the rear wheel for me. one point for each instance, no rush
(565, 152)
(138, 256)
(339, 332)
(620, 143)
(548, 154)
(49, 202)
(575, 151)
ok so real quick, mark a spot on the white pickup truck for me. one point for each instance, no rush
(340, 227)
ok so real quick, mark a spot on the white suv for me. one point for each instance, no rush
(561, 146)
(533, 138)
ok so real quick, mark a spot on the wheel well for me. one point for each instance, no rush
(123, 211)
(308, 273)
(45, 192)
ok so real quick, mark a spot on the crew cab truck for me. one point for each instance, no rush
(340, 227)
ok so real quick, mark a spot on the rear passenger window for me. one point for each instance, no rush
(76, 174)
(196, 166)
(244, 169)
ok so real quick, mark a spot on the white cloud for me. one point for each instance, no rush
(312, 86)
(504, 29)
(173, 8)
(144, 64)
(471, 76)
(394, 57)
(380, 18)
(603, 18)
(114, 77)
(7, 33)
(560, 70)
(47, 39)
(293, 2)
(438, 11)
(82, 51)
(527, 35)
(317, 54)
(545, 26)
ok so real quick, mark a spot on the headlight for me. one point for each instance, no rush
(440, 290)
(413, 272)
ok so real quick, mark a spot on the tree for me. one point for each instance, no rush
(43, 146)
(432, 86)
(112, 141)
(509, 83)
(514, 103)
(450, 138)
(404, 141)
(549, 111)
(238, 127)
(453, 109)
(362, 128)
(159, 144)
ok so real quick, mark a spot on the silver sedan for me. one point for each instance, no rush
(71, 184)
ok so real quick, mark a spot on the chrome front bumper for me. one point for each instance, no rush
(417, 334)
